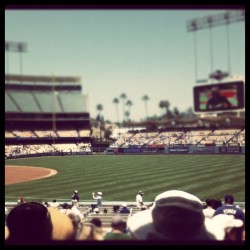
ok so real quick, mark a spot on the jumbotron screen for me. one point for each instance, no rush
(219, 97)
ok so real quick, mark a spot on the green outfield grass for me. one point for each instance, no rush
(121, 177)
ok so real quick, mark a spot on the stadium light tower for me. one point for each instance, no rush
(212, 21)
(15, 47)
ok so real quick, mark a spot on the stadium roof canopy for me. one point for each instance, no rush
(41, 79)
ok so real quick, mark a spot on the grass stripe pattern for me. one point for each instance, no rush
(120, 177)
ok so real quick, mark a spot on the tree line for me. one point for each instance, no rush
(124, 118)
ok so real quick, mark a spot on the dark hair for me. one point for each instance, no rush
(216, 203)
(29, 223)
(209, 202)
(97, 222)
(116, 208)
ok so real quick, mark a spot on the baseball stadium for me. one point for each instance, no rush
(50, 151)
(93, 179)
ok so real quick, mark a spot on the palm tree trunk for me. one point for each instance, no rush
(146, 108)
(117, 115)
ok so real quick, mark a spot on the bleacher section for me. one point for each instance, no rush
(10, 106)
(9, 134)
(47, 133)
(48, 101)
(194, 137)
(24, 101)
(23, 134)
(73, 102)
(141, 139)
(107, 218)
(44, 94)
(22, 150)
(42, 112)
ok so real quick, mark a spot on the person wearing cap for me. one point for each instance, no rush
(75, 197)
(96, 210)
(175, 216)
(230, 209)
(98, 197)
(139, 200)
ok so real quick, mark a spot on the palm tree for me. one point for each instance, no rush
(127, 114)
(116, 102)
(123, 97)
(176, 112)
(99, 107)
(145, 98)
(129, 104)
(166, 105)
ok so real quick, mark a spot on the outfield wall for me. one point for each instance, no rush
(182, 149)
(189, 149)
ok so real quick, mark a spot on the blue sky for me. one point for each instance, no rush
(136, 52)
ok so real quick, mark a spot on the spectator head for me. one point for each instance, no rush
(229, 199)
(118, 223)
(96, 210)
(76, 191)
(124, 204)
(209, 202)
(97, 222)
(105, 210)
(32, 223)
(175, 215)
(116, 208)
(216, 203)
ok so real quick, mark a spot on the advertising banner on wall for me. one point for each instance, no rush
(178, 150)
(130, 150)
(229, 150)
(203, 150)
